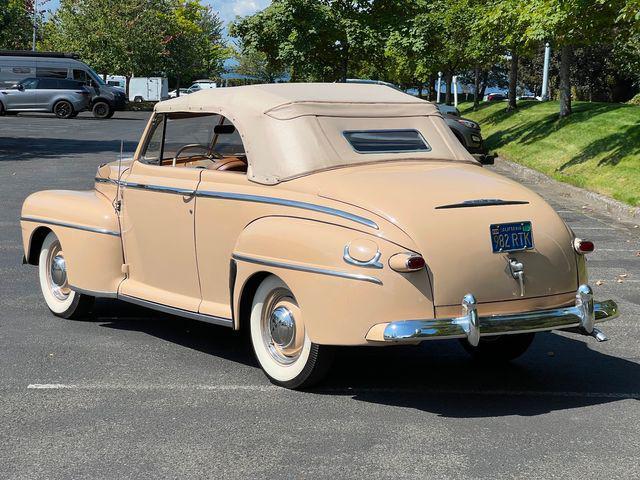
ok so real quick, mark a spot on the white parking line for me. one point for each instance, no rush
(339, 391)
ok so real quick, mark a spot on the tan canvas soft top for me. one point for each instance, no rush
(281, 133)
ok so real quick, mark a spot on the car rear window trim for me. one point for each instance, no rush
(347, 135)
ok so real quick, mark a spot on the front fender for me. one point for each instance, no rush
(89, 232)
(340, 301)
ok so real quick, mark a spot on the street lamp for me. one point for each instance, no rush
(439, 83)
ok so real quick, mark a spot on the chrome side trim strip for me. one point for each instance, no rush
(93, 293)
(304, 268)
(483, 202)
(225, 322)
(249, 198)
(70, 225)
(288, 203)
(158, 188)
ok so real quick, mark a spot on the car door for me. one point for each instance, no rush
(22, 96)
(157, 215)
(220, 221)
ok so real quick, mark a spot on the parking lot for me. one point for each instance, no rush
(136, 394)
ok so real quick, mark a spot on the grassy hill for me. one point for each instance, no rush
(598, 147)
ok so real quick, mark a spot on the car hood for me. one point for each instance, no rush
(447, 208)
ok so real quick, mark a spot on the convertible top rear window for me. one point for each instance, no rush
(386, 141)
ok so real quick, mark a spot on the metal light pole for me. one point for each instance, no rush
(35, 17)
(545, 72)
(454, 80)
(439, 83)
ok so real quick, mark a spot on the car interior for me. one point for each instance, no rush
(207, 141)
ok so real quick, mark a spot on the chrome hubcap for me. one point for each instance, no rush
(57, 277)
(282, 330)
(282, 327)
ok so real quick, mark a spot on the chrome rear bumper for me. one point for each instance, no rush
(582, 316)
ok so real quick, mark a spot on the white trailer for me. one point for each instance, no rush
(148, 89)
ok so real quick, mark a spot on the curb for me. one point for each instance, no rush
(610, 205)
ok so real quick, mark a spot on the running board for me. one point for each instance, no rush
(225, 322)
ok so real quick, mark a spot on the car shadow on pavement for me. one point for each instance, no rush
(203, 337)
(13, 148)
(558, 372)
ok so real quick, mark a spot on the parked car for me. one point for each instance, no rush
(183, 91)
(495, 97)
(15, 66)
(314, 215)
(203, 84)
(467, 132)
(448, 109)
(148, 89)
(62, 97)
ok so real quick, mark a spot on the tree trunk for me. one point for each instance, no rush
(419, 89)
(476, 87)
(344, 67)
(433, 84)
(177, 85)
(513, 81)
(448, 81)
(566, 57)
(127, 82)
(485, 80)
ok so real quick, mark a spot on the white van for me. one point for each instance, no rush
(148, 89)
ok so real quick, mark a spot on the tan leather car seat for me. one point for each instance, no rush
(229, 164)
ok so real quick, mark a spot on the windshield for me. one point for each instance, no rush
(97, 78)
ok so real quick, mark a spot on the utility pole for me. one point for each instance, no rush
(545, 73)
(439, 83)
(35, 20)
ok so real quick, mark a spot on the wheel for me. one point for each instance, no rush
(101, 110)
(137, 99)
(2, 110)
(63, 109)
(74, 115)
(110, 114)
(279, 339)
(500, 348)
(52, 269)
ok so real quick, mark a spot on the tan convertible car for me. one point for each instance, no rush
(314, 215)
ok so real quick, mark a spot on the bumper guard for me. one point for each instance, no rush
(581, 317)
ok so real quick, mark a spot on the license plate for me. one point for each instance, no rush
(511, 237)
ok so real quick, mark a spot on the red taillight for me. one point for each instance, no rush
(415, 262)
(583, 246)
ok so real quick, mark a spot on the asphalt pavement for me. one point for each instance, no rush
(136, 394)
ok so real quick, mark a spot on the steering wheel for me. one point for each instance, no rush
(194, 145)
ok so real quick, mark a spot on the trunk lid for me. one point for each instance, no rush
(447, 209)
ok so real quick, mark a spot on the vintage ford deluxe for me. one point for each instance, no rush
(314, 215)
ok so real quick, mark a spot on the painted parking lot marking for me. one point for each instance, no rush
(338, 391)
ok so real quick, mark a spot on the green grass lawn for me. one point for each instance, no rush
(598, 147)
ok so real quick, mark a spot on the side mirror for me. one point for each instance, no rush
(20, 87)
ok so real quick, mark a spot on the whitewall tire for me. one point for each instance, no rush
(60, 299)
(280, 342)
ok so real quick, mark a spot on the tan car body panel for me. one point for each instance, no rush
(94, 259)
(184, 229)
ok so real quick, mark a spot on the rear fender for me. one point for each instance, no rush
(89, 232)
(340, 301)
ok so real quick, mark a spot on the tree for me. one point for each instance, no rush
(254, 64)
(574, 23)
(16, 24)
(194, 44)
(139, 37)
